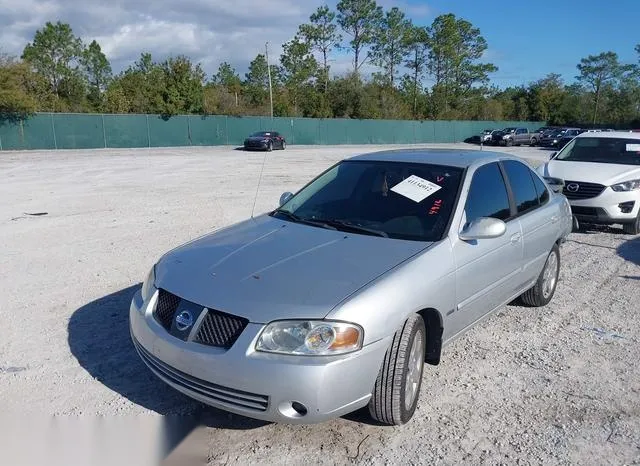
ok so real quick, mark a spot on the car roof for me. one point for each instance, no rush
(461, 158)
(610, 134)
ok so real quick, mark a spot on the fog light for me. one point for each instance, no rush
(299, 408)
(626, 207)
(293, 409)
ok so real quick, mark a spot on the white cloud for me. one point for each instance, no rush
(208, 31)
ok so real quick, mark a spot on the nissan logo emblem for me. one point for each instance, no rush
(184, 320)
(573, 187)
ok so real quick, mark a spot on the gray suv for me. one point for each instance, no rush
(519, 136)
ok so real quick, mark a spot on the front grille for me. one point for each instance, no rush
(587, 211)
(166, 308)
(585, 190)
(216, 393)
(219, 329)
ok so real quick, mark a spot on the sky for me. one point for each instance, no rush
(527, 40)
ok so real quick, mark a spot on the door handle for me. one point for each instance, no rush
(515, 238)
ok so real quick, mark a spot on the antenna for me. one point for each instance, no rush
(255, 199)
(264, 160)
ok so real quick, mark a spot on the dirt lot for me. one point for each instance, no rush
(559, 384)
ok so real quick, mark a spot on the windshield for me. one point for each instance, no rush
(261, 134)
(508, 130)
(400, 200)
(602, 150)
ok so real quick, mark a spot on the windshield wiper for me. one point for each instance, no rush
(298, 219)
(343, 225)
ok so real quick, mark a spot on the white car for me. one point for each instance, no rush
(601, 177)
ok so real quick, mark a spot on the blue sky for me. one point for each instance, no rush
(528, 40)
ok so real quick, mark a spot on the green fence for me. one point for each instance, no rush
(90, 131)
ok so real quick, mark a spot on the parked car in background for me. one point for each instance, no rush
(265, 140)
(601, 176)
(567, 136)
(544, 129)
(486, 135)
(519, 136)
(551, 138)
(336, 299)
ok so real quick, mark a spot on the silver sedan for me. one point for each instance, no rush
(335, 300)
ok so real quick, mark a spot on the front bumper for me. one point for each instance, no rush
(253, 384)
(607, 208)
(256, 145)
(548, 143)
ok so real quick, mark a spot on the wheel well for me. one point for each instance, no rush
(433, 323)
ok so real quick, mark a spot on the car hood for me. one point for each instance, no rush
(591, 172)
(265, 269)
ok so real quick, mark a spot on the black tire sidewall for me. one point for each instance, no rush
(407, 414)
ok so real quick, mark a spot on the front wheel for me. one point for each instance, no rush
(270, 147)
(632, 228)
(534, 142)
(396, 391)
(544, 289)
(284, 145)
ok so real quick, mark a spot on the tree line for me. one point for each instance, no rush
(421, 72)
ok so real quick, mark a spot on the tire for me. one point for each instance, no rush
(534, 142)
(270, 147)
(389, 403)
(284, 145)
(542, 292)
(509, 143)
(632, 228)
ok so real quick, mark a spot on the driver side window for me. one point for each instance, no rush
(487, 194)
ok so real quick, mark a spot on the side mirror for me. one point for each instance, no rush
(285, 198)
(556, 184)
(483, 228)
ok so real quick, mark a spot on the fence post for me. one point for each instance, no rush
(53, 127)
(226, 128)
(0, 142)
(148, 132)
(104, 131)
(189, 130)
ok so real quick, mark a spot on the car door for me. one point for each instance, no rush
(538, 223)
(522, 135)
(487, 270)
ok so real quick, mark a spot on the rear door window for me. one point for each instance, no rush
(524, 191)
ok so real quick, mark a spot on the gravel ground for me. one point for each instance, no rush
(553, 385)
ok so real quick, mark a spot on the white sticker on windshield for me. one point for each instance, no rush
(415, 188)
(633, 147)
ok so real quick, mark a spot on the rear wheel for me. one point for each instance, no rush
(284, 145)
(534, 142)
(544, 289)
(632, 228)
(396, 391)
(270, 146)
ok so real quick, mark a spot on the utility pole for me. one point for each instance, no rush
(266, 49)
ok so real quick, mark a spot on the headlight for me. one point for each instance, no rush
(310, 338)
(632, 185)
(148, 286)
